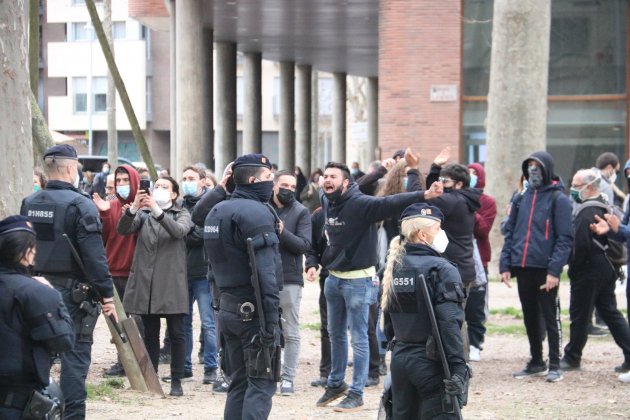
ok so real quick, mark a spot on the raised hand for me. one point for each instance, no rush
(101, 204)
(412, 160)
(443, 156)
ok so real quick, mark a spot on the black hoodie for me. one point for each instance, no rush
(459, 207)
(350, 226)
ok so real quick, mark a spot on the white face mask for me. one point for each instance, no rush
(75, 183)
(613, 178)
(440, 242)
(162, 198)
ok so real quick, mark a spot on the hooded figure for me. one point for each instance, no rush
(484, 217)
(537, 245)
(120, 249)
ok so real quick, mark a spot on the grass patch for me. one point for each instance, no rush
(313, 326)
(104, 389)
(509, 311)
(513, 329)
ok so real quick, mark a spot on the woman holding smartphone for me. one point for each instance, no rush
(158, 287)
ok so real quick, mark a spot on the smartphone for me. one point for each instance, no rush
(145, 185)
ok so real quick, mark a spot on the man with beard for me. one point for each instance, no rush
(295, 241)
(352, 285)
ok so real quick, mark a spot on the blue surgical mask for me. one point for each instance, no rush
(189, 188)
(123, 191)
(405, 182)
(473, 181)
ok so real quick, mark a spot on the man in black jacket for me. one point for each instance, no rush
(193, 188)
(352, 284)
(295, 240)
(459, 204)
(592, 275)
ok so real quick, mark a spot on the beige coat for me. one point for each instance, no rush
(157, 281)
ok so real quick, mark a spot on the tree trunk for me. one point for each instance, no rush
(122, 91)
(33, 44)
(517, 99)
(112, 134)
(42, 139)
(16, 169)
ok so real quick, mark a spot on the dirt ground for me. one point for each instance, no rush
(595, 392)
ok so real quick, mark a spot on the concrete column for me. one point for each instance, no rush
(372, 118)
(225, 145)
(339, 118)
(208, 55)
(173, 84)
(191, 86)
(286, 140)
(303, 119)
(252, 115)
(315, 159)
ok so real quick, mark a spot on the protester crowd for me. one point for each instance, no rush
(370, 239)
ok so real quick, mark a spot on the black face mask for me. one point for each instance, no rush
(535, 178)
(335, 195)
(262, 190)
(285, 196)
(448, 189)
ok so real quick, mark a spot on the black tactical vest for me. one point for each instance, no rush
(47, 211)
(408, 312)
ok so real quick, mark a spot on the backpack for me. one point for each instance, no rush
(616, 251)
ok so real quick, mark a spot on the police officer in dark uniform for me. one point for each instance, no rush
(58, 209)
(34, 323)
(419, 388)
(229, 224)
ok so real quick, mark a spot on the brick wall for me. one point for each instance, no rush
(147, 8)
(419, 46)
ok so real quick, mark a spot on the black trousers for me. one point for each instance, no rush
(177, 336)
(536, 303)
(417, 385)
(373, 341)
(476, 315)
(324, 363)
(594, 286)
(247, 398)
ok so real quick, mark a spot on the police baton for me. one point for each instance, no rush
(79, 262)
(438, 341)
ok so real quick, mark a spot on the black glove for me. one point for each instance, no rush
(267, 336)
(454, 386)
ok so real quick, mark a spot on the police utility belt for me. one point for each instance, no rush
(234, 304)
(34, 403)
(80, 291)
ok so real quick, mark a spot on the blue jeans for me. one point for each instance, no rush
(348, 304)
(199, 290)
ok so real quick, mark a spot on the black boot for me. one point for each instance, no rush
(176, 388)
(382, 366)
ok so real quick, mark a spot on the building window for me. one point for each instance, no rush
(276, 97)
(119, 30)
(325, 97)
(80, 31)
(79, 94)
(99, 92)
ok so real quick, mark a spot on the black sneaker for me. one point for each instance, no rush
(353, 402)
(319, 382)
(567, 366)
(331, 394)
(594, 331)
(165, 358)
(117, 370)
(372, 381)
(187, 374)
(209, 376)
(623, 368)
(176, 388)
(220, 387)
(532, 369)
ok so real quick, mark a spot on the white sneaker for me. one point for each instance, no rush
(474, 354)
(625, 377)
